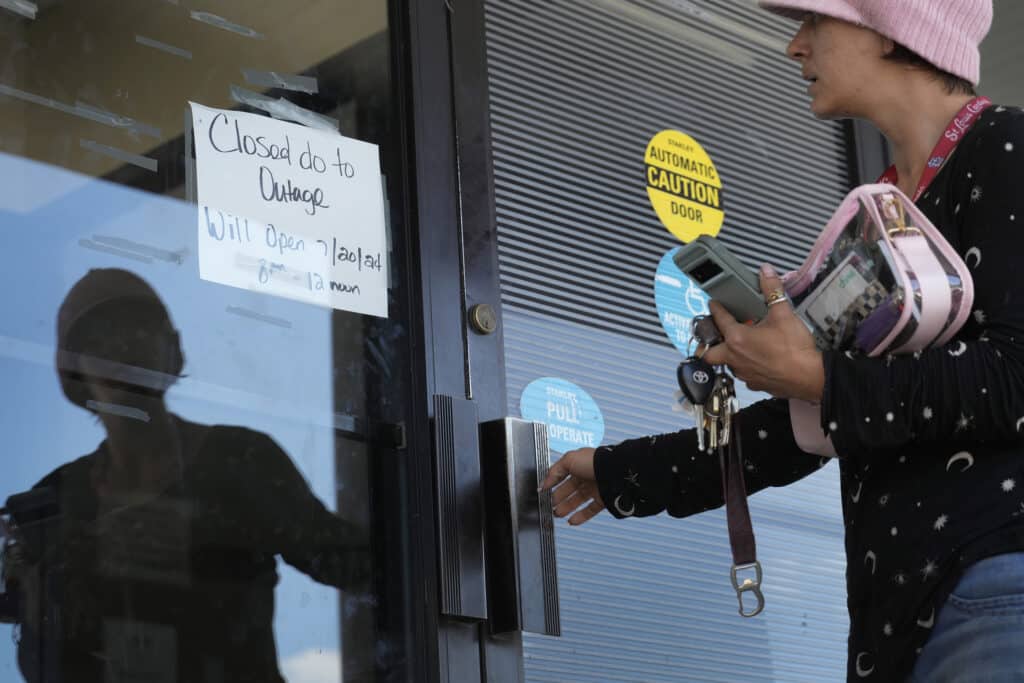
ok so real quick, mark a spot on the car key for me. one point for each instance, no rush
(697, 381)
(713, 411)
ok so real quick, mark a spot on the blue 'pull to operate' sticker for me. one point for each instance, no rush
(572, 416)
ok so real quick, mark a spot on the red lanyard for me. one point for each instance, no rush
(957, 129)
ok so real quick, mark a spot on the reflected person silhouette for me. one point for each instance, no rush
(154, 557)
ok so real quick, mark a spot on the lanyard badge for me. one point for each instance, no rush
(955, 132)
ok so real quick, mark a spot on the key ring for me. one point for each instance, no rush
(700, 353)
(693, 337)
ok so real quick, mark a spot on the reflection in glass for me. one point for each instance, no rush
(153, 558)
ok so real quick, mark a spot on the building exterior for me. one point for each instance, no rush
(379, 229)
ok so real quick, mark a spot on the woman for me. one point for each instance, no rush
(931, 460)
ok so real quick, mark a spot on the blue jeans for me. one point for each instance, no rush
(979, 632)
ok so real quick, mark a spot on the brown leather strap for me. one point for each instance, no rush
(734, 489)
(741, 531)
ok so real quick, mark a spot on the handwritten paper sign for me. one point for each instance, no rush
(290, 211)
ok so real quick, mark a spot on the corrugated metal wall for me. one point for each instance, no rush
(578, 88)
(1001, 55)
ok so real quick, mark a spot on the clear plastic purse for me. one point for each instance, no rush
(879, 279)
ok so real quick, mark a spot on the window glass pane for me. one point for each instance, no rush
(188, 463)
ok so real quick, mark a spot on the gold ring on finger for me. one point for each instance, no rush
(776, 296)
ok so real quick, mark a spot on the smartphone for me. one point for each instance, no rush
(723, 277)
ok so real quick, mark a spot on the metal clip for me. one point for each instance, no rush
(904, 230)
(895, 216)
(748, 586)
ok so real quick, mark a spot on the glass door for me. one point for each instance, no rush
(211, 422)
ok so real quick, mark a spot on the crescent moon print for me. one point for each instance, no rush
(856, 497)
(863, 672)
(960, 350)
(871, 557)
(1019, 423)
(929, 622)
(976, 253)
(967, 459)
(622, 511)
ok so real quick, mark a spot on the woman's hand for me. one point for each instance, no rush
(573, 475)
(777, 356)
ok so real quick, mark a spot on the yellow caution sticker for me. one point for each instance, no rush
(684, 186)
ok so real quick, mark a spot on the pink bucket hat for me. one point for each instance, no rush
(946, 33)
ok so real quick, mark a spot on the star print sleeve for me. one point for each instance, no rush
(974, 386)
(647, 476)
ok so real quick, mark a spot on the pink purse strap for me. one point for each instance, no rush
(805, 419)
(934, 287)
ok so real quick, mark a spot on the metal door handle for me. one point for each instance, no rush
(522, 575)
(460, 513)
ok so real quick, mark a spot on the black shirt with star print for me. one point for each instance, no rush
(936, 435)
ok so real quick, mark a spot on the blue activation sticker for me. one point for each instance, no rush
(678, 300)
(572, 416)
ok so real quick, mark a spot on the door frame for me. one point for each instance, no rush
(453, 205)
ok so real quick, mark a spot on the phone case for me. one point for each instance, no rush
(727, 280)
